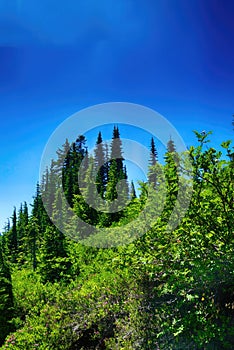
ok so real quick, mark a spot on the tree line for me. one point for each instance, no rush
(164, 266)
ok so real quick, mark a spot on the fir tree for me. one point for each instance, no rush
(6, 297)
(38, 209)
(77, 153)
(133, 191)
(86, 202)
(117, 170)
(117, 153)
(171, 174)
(54, 262)
(101, 166)
(171, 146)
(22, 225)
(152, 177)
(62, 158)
(13, 238)
(117, 186)
(51, 186)
(33, 242)
(111, 192)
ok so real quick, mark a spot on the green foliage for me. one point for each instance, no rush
(165, 289)
(101, 163)
(12, 238)
(152, 176)
(54, 261)
(6, 298)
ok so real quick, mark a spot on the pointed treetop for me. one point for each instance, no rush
(153, 153)
(116, 134)
(171, 146)
(99, 138)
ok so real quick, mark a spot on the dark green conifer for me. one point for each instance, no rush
(153, 160)
(12, 238)
(117, 186)
(77, 154)
(54, 262)
(171, 146)
(133, 191)
(117, 170)
(6, 297)
(22, 226)
(101, 165)
(33, 241)
(38, 209)
(171, 173)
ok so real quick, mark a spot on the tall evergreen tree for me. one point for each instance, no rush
(54, 262)
(117, 170)
(67, 177)
(38, 209)
(86, 203)
(152, 177)
(111, 192)
(117, 186)
(22, 225)
(83, 170)
(32, 241)
(107, 163)
(6, 298)
(171, 146)
(13, 238)
(133, 191)
(101, 165)
(49, 194)
(117, 153)
(76, 154)
(153, 153)
(171, 174)
(62, 158)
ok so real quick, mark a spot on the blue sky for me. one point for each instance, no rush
(56, 57)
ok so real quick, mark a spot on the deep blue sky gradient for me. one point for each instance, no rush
(57, 57)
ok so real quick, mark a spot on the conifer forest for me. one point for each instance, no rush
(136, 282)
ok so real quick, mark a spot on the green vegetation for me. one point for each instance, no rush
(164, 289)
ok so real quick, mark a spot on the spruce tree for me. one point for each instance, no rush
(86, 202)
(101, 166)
(12, 238)
(171, 174)
(152, 177)
(6, 297)
(32, 241)
(111, 192)
(171, 146)
(117, 170)
(81, 151)
(38, 209)
(133, 191)
(62, 158)
(107, 163)
(117, 186)
(117, 153)
(76, 154)
(54, 262)
(22, 225)
(49, 194)
(67, 178)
